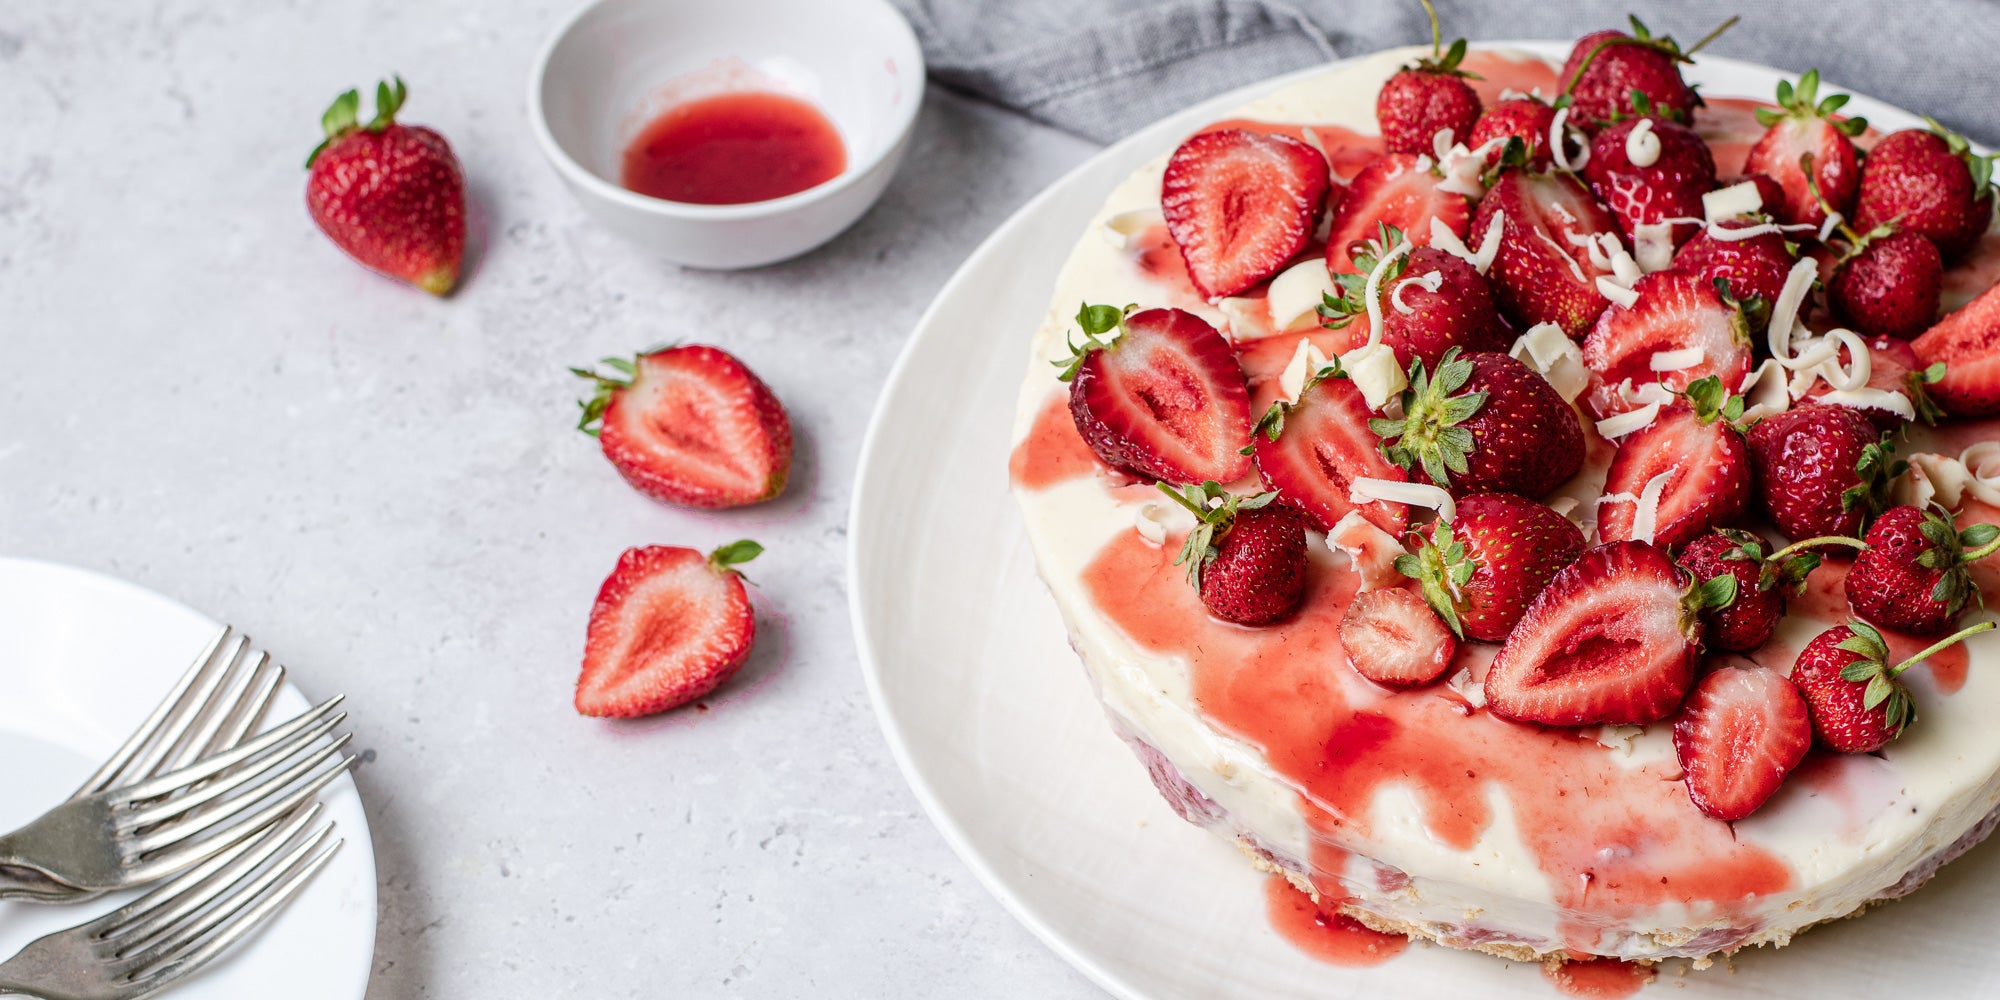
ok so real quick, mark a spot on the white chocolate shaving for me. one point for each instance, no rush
(1676, 360)
(1654, 243)
(1646, 515)
(1729, 202)
(1249, 319)
(1150, 521)
(1764, 391)
(1365, 489)
(1871, 399)
(1559, 148)
(1370, 551)
(1428, 282)
(1371, 293)
(1642, 147)
(1295, 295)
(1123, 230)
(1444, 239)
(1785, 312)
(1547, 350)
(1374, 371)
(1306, 360)
(1616, 292)
(1618, 425)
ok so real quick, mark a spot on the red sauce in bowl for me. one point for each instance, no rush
(734, 148)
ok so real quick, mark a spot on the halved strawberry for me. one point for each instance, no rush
(1392, 191)
(1803, 126)
(690, 425)
(1543, 272)
(1893, 367)
(1391, 637)
(1165, 400)
(1742, 730)
(1677, 310)
(1612, 640)
(1311, 452)
(1707, 466)
(1968, 342)
(669, 626)
(1241, 205)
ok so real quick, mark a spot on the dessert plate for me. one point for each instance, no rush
(83, 659)
(992, 719)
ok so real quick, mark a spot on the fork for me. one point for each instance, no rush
(174, 931)
(133, 834)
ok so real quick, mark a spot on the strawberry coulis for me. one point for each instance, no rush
(734, 148)
(1322, 931)
(1053, 452)
(1598, 978)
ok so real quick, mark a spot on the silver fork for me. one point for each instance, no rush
(134, 834)
(170, 933)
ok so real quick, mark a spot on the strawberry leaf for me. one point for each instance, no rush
(1429, 436)
(1442, 569)
(1214, 510)
(1095, 321)
(736, 553)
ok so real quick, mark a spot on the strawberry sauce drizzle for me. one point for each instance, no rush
(1322, 931)
(1612, 840)
(1499, 71)
(1598, 979)
(1053, 452)
(1347, 151)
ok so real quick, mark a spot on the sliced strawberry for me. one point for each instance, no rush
(1391, 637)
(1706, 463)
(669, 626)
(1241, 205)
(1743, 729)
(690, 425)
(1165, 400)
(1804, 126)
(1892, 367)
(1392, 191)
(1543, 272)
(1968, 342)
(1613, 640)
(1312, 453)
(1677, 310)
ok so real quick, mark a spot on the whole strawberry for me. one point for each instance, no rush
(1888, 283)
(1480, 570)
(389, 194)
(1650, 169)
(1928, 182)
(1915, 574)
(1484, 423)
(1430, 302)
(1805, 147)
(1245, 556)
(1606, 67)
(1822, 470)
(1755, 268)
(1856, 702)
(1528, 119)
(1427, 97)
(1763, 580)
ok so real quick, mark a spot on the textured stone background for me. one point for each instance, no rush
(203, 396)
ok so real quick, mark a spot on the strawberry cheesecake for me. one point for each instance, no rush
(1536, 509)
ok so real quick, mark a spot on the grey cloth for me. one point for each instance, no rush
(1103, 68)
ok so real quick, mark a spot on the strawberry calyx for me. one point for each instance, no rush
(1441, 568)
(1981, 166)
(1752, 312)
(1642, 37)
(1336, 311)
(1428, 434)
(1927, 408)
(1272, 423)
(1877, 469)
(1803, 101)
(1710, 401)
(1441, 60)
(1713, 594)
(1214, 510)
(1096, 322)
(1870, 667)
(608, 379)
(1642, 107)
(1951, 552)
(1787, 567)
(726, 558)
(343, 115)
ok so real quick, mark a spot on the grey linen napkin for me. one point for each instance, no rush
(1103, 68)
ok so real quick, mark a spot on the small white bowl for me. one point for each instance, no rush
(616, 64)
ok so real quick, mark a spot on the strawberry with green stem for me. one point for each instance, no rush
(1427, 97)
(1158, 393)
(1764, 580)
(391, 195)
(1312, 449)
(689, 424)
(1887, 281)
(1483, 422)
(1856, 700)
(1430, 301)
(1915, 572)
(1809, 152)
(1605, 68)
(1480, 570)
(670, 625)
(1245, 557)
(1697, 446)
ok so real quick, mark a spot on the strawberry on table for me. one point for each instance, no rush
(1613, 640)
(1528, 119)
(1763, 580)
(670, 625)
(1915, 573)
(1395, 190)
(1822, 470)
(1391, 637)
(1245, 556)
(1677, 311)
(690, 425)
(1856, 701)
(1967, 343)
(1543, 272)
(1484, 422)
(1695, 444)
(1163, 399)
(1742, 730)
(1650, 169)
(1313, 450)
(391, 195)
(1480, 570)
(1426, 97)
(1430, 301)
(1931, 183)
(1241, 204)
(1606, 67)
(1803, 134)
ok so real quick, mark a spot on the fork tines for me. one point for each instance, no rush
(220, 700)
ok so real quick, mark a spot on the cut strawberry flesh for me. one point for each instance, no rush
(696, 427)
(1392, 637)
(1325, 447)
(1742, 731)
(1708, 478)
(1676, 311)
(1543, 273)
(1241, 204)
(1608, 642)
(667, 629)
(1392, 191)
(1166, 401)
(1968, 342)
